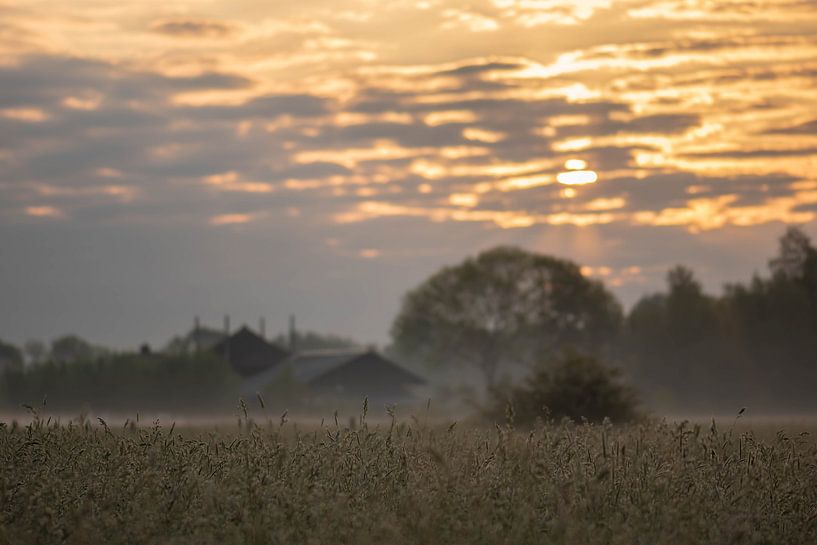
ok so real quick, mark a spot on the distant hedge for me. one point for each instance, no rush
(124, 382)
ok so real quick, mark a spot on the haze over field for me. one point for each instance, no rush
(160, 160)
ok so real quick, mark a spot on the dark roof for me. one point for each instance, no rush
(308, 366)
(363, 362)
(250, 354)
(320, 368)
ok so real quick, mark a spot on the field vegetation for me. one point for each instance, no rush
(404, 482)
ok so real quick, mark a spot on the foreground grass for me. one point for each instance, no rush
(405, 483)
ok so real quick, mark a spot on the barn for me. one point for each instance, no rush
(352, 374)
(250, 354)
(346, 374)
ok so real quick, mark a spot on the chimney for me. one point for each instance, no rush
(262, 327)
(292, 335)
(196, 334)
(227, 338)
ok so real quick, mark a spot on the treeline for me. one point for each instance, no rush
(507, 314)
(64, 349)
(754, 345)
(125, 382)
(72, 374)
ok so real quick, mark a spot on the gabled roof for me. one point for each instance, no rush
(368, 365)
(313, 367)
(308, 366)
(250, 354)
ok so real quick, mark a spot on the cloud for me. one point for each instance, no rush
(263, 107)
(809, 128)
(478, 69)
(390, 145)
(755, 153)
(204, 81)
(47, 81)
(386, 132)
(193, 28)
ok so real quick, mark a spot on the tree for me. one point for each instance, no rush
(674, 343)
(10, 357)
(797, 258)
(797, 262)
(36, 351)
(504, 307)
(754, 345)
(126, 382)
(71, 348)
(690, 312)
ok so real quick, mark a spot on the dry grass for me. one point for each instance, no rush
(404, 482)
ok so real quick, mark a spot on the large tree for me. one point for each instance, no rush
(72, 348)
(10, 357)
(673, 341)
(506, 306)
(797, 263)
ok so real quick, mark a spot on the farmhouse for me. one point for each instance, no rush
(350, 374)
(339, 373)
(249, 353)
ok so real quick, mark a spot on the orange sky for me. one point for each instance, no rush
(370, 139)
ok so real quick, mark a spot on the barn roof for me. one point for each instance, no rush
(250, 354)
(309, 367)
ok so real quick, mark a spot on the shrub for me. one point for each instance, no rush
(574, 386)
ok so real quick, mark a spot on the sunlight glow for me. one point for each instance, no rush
(30, 115)
(606, 204)
(106, 172)
(44, 212)
(577, 177)
(231, 219)
(482, 135)
(229, 181)
(451, 116)
(78, 103)
(467, 200)
(575, 164)
(525, 182)
(505, 219)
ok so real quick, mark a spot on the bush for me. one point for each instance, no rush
(574, 386)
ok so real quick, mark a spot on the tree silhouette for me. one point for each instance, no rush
(10, 357)
(71, 348)
(756, 344)
(797, 257)
(504, 307)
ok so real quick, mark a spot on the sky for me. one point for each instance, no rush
(161, 160)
